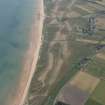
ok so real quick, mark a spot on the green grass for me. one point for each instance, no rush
(99, 93)
(92, 102)
(96, 67)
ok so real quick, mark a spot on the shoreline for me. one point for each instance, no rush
(31, 56)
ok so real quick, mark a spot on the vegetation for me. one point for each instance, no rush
(92, 102)
(96, 68)
(99, 93)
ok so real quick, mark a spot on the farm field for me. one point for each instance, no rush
(99, 93)
(72, 55)
(83, 89)
(96, 67)
(92, 102)
(85, 81)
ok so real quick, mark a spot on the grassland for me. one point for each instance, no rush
(96, 67)
(99, 93)
(92, 102)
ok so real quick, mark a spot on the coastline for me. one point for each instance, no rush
(31, 56)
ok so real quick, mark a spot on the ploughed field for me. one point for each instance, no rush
(71, 66)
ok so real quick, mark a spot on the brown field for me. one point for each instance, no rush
(72, 95)
(85, 81)
(101, 56)
(100, 22)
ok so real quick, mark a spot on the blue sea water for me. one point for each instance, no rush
(16, 18)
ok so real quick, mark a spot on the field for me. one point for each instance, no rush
(99, 93)
(85, 81)
(92, 102)
(101, 56)
(96, 67)
(83, 88)
(72, 95)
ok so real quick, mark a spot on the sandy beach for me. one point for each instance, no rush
(31, 57)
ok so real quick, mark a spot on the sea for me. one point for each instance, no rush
(16, 18)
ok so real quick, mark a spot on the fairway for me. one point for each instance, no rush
(85, 81)
(99, 93)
